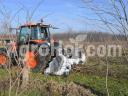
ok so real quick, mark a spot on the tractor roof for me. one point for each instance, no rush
(34, 24)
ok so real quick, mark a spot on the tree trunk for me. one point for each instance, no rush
(25, 76)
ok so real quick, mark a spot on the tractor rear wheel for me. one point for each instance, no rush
(3, 59)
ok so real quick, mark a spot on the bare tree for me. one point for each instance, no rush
(6, 25)
(114, 15)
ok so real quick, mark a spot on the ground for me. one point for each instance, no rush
(84, 80)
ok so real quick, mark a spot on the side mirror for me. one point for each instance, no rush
(55, 28)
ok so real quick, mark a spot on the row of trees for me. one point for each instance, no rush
(91, 36)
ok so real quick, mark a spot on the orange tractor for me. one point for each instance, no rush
(32, 44)
(35, 50)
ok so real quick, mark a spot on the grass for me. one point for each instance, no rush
(118, 68)
(3, 74)
(116, 87)
(91, 76)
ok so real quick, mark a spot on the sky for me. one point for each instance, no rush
(64, 14)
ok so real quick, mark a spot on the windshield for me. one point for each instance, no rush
(43, 33)
(24, 33)
(34, 32)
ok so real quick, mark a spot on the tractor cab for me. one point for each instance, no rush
(34, 33)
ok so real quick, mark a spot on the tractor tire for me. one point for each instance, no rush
(4, 60)
(43, 63)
